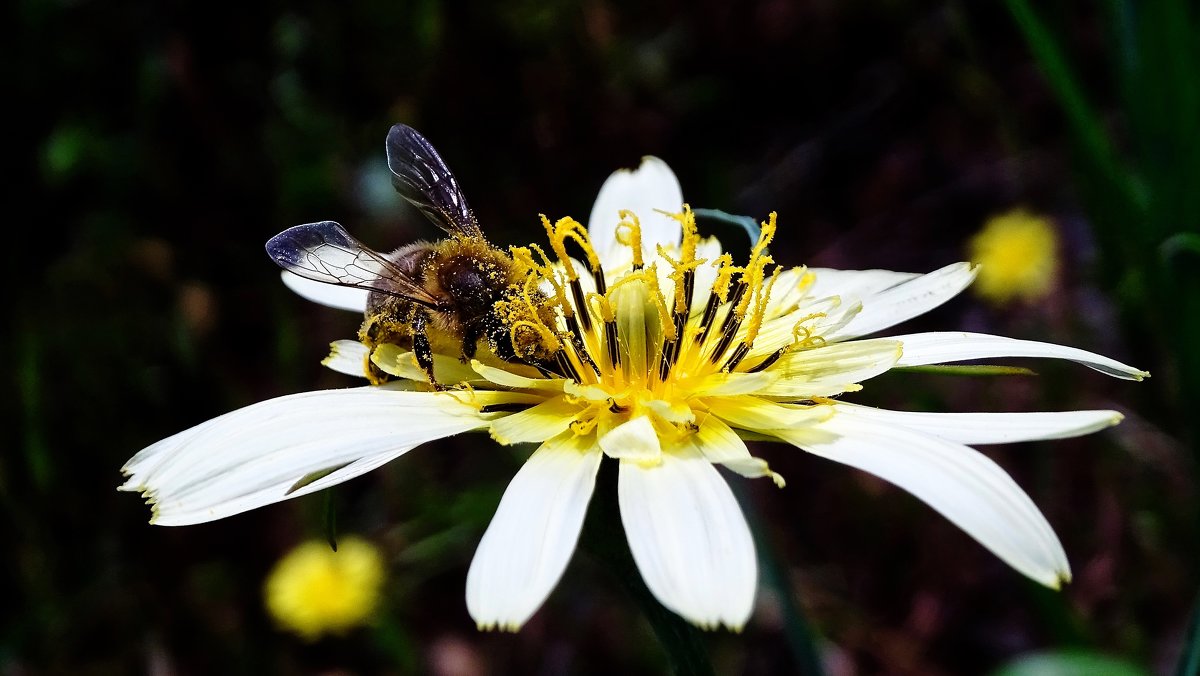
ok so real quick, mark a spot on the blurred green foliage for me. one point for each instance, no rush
(158, 145)
(1138, 186)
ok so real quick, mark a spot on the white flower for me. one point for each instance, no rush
(679, 355)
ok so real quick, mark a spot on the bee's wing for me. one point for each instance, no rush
(422, 177)
(325, 252)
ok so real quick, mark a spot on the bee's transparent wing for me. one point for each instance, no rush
(422, 177)
(325, 252)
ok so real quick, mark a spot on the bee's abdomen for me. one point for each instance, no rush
(388, 320)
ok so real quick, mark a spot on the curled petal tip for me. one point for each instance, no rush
(493, 625)
(1063, 578)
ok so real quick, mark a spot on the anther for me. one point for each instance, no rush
(610, 339)
(671, 348)
(598, 276)
(546, 372)
(739, 353)
(710, 314)
(568, 369)
(766, 363)
(585, 317)
(728, 332)
(584, 356)
(689, 290)
(504, 408)
(735, 300)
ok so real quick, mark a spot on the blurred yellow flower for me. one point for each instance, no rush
(314, 590)
(1018, 256)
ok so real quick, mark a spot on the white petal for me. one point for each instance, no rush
(761, 415)
(689, 539)
(855, 284)
(253, 456)
(397, 361)
(533, 534)
(791, 288)
(506, 378)
(270, 494)
(340, 297)
(538, 423)
(990, 428)
(347, 356)
(959, 482)
(952, 346)
(831, 369)
(650, 187)
(906, 300)
(720, 445)
(634, 440)
(820, 318)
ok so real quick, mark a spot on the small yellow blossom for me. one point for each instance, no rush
(1018, 257)
(314, 590)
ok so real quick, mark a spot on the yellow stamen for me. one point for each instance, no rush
(764, 236)
(679, 270)
(752, 277)
(691, 236)
(807, 340)
(546, 336)
(602, 306)
(568, 228)
(725, 271)
(629, 233)
(760, 309)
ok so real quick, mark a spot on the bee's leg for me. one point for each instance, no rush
(498, 337)
(368, 335)
(375, 375)
(422, 349)
(472, 334)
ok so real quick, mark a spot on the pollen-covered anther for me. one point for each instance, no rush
(533, 341)
(691, 234)
(725, 272)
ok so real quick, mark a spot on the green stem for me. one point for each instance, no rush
(603, 538)
(330, 521)
(796, 627)
(1092, 136)
(1189, 659)
(746, 223)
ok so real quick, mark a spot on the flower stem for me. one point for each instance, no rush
(1189, 658)
(603, 537)
(796, 627)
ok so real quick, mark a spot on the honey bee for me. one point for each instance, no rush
(429, 297)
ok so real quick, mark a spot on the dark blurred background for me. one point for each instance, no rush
(157, 146)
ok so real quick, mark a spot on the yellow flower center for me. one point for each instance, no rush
(638, 349)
